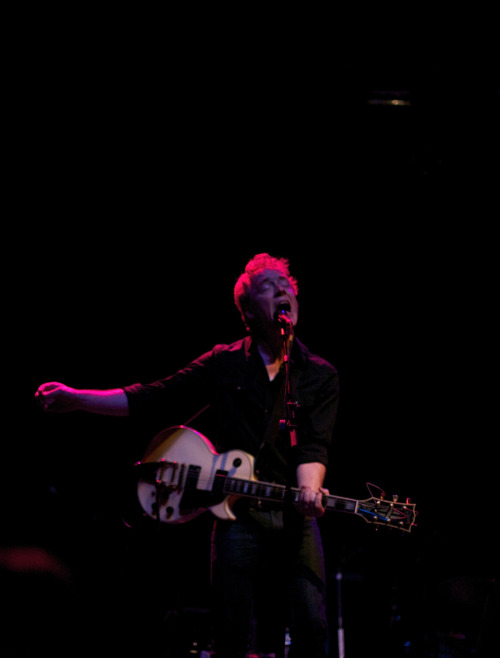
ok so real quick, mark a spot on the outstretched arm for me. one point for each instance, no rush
(59, 398)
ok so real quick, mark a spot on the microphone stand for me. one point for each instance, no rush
(287, 425)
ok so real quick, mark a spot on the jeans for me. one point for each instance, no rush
(268, 574)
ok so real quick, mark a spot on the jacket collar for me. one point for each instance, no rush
(299, 355)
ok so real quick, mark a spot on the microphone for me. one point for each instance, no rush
(280, 317)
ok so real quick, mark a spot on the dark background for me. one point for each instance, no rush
(148, 160)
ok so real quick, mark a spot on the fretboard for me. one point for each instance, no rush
(280, 493)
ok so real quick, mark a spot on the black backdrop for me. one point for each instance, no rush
(143, 177)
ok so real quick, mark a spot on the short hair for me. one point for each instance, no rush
(255, 266)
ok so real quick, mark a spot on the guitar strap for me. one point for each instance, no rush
(189, 422)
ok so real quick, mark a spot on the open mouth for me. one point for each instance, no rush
(282, 314)
(283, 307)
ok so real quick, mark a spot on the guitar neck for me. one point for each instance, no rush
(279, 493)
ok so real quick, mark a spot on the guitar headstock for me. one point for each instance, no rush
(388, 513)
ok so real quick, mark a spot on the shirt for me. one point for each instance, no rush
(248, 407)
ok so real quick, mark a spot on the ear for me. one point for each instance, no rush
(246, 310)
(248, 316)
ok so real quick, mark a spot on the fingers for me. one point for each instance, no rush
(41, 399)
(310, 501)
(47, 395)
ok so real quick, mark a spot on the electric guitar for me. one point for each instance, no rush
(182, 476)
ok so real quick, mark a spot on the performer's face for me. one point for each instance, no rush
(271, 290)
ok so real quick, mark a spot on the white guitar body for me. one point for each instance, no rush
(170, 453)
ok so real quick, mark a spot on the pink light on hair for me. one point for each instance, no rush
(254, 267)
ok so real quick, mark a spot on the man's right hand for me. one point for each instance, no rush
(57, 397)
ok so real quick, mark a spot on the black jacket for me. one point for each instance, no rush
(248, 407)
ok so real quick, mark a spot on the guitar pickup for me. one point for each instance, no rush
(194, 498)
(219, 482)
